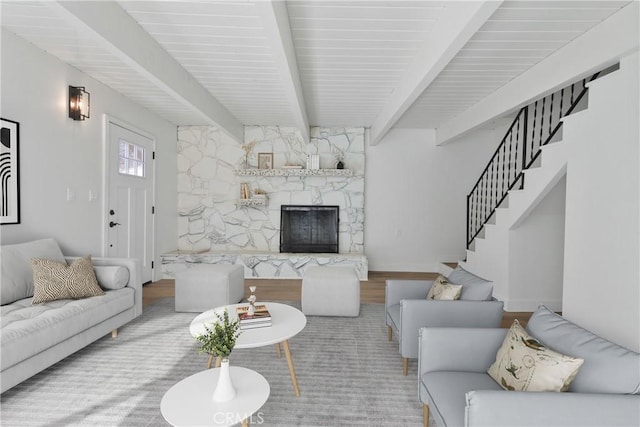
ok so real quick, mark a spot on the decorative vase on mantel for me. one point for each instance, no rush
(225, 391)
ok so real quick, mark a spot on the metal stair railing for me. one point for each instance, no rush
(534, 126)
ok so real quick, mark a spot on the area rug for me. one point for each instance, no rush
(348, 374)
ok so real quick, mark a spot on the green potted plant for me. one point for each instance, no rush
(219, 341)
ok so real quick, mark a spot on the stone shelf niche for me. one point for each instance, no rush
(293, 172)
(263, 265)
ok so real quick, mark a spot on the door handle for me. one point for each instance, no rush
(113, 224)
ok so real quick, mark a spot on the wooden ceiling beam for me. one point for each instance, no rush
(275, 20)
(458, 23)
(122, 36)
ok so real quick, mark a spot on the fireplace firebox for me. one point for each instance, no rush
(309, 229)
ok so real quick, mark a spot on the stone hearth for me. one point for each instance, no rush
(264, 265)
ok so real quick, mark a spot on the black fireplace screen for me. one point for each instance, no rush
(310, 229)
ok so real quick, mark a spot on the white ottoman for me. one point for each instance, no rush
(205, 286)
(331, 291)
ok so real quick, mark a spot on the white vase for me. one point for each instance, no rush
(225, 391)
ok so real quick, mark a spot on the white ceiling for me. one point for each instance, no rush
(377, 64)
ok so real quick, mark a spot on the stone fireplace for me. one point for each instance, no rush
(215, 225)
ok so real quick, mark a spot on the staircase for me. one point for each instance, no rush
(494, 253)
(515, 212)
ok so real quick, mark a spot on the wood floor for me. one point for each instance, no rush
(371, 291)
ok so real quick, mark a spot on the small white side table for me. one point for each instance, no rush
(190, 401)
(287, 322)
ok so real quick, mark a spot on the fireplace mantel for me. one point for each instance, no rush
(294, 172)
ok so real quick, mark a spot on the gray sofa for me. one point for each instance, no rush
(455, 388)
(34, 337)
(408, 310)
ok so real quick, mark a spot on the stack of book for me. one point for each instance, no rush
(261, 318)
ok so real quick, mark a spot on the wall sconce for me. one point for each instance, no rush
(78, 103)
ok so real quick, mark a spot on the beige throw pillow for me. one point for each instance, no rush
(524, 364)
(443, 290)
(54, 280)
(439, 280)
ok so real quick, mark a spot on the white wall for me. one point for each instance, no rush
(536, 254)
(57, 153)
(602, 256)
(415, 197)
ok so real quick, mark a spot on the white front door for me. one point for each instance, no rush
(130, 197)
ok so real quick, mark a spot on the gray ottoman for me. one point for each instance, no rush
(331, 291)
(205, 286)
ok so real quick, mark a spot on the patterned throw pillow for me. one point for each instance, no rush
(524, 364)
(54, 280)
(443, 290)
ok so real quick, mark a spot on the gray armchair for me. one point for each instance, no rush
(455, 388)
(408, 310)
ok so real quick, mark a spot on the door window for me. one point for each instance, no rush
(131, 159)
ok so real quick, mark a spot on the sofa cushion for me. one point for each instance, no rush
(474, 288)
(523, 364)
(26, 329)
(111, 276)
(607, 368)
(16, 280)
(55, 280)
(443, 290)
(446, 391)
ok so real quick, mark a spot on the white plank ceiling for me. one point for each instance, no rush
(303, 62)
(516, 37)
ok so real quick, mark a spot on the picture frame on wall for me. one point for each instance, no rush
(265, 160)
(9, 172)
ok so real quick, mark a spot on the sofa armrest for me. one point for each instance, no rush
(396, 290)
(512, 408)
(415, 314)
(458, 349)
(135, 275)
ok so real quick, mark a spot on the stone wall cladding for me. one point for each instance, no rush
(210, 217)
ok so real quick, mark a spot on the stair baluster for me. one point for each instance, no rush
(492, 188)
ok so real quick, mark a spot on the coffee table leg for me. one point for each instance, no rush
(278, 350)
(292, 371)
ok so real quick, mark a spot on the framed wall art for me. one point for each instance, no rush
(265, 160)
(9, 172)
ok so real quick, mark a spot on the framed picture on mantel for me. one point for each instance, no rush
(265, 160)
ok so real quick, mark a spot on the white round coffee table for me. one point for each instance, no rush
(190, 401)
(287, 322)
